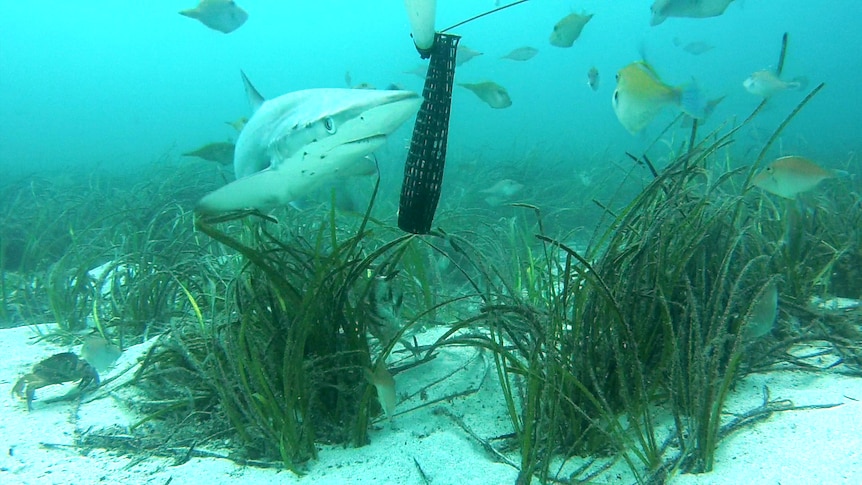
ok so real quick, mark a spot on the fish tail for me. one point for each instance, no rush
(798, 83)
(711, 104)
(692, 101)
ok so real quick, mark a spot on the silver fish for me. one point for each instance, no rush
(420, 70)
(464, 54)
(790, 176)
(99, 352)
(593, 78)
(490, 92)
(765, 84)
(219, 152)
(521, 54)
(694, 48)
(662, 9)
(763, 314)
(502, 191)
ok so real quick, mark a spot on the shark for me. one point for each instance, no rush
(294, 143)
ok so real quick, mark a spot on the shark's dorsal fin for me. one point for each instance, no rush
(254, 96)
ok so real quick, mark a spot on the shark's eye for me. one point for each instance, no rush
(329, 124)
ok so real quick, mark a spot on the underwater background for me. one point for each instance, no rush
(116, 85)
(588, 300)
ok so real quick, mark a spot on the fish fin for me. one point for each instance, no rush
(642, 52)
(254, 96)
(364, 167)
(711, 104)
(194, 13)
(656, 17)
(799, 83)
(692, 101)
(302, 204)
(261, 190)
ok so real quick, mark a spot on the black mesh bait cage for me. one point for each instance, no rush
(423, 170)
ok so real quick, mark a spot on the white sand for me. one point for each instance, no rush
(821, 446)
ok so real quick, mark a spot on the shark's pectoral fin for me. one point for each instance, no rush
(363, 167)
(263, 190)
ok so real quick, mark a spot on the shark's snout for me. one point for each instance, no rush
(398, 107)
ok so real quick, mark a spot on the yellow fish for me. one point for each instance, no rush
(222, 15)
(790, 176)
(641, 95)
(567, 30)
(490, 92)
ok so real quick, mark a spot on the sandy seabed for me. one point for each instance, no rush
(814, 446)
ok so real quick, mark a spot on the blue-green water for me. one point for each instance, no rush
(122, 83)
(126, 86)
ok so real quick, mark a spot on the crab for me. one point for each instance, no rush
(57, 369)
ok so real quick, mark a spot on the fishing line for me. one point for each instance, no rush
(489, 12)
